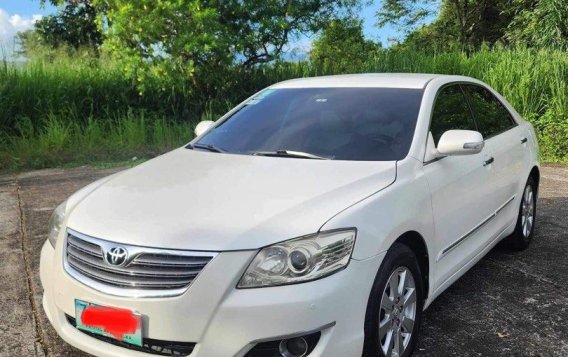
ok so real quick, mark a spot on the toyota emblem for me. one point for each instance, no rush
(116, 256)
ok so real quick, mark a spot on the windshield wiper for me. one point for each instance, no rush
(292, 154)
(209, 147)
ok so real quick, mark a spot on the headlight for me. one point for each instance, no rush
(300, 260)
(55, 223)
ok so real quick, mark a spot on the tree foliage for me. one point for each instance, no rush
(201, 39)
(73, 26)
(542, 24)
(405, 15)
(464, 25)
(341, 45)
(467, 24)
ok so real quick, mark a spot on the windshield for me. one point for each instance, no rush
(370, 124)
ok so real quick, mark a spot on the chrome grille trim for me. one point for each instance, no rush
(148, 272)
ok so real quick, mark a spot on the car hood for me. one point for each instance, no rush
(199, 200)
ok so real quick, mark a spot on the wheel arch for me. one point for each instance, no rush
(417, 244)
(535, 174)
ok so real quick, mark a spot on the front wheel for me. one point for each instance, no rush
(394, 309)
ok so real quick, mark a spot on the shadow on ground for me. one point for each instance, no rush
(510, 303)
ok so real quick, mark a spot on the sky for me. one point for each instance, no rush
(16, 16)
(20, 15)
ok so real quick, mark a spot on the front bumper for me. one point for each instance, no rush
(220, 319)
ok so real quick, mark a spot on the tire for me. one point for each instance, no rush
(398, 261)
(524, 228)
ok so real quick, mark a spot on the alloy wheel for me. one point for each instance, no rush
(397, 313)
(527, 211)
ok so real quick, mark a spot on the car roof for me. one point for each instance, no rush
(374, 80)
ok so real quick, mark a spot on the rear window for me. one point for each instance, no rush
(490, 114)
(371, 124)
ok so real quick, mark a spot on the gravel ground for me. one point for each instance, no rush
(510, 303)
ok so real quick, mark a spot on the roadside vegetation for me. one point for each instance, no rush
(95, 99)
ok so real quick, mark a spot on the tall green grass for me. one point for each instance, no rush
(61, 142)
(84, 109)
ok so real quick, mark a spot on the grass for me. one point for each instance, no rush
(63, 143)
(83, 110)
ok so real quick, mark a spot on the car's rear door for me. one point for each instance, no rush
(460, 187)
(504, 138)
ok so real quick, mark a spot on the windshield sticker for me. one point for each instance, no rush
(260, 96)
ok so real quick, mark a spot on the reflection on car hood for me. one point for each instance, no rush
(199, 200)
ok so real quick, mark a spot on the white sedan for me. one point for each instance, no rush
(319, 217)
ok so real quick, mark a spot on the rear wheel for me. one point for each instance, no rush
(522, 236)
(395, 306)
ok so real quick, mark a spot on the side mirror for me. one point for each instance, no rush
(460, 142)
(202, 127)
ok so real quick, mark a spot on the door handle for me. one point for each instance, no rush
(488, 161)
(523, 140)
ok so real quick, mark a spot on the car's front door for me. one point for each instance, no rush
(504, 138)
(459, 187)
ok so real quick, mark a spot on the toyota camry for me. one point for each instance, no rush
(319, 217)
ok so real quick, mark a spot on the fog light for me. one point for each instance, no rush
(294, 347)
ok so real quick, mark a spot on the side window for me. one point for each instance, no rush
(450, 112)
(491, 116)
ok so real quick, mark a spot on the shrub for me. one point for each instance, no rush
(89, 109)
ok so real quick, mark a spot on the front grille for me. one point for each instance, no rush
(144, 271)
(149, 345)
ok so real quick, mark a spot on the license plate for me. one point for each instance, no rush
(121, 324)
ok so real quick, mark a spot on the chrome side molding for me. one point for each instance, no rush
(475, 229)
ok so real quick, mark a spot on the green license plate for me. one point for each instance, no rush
(121, 324)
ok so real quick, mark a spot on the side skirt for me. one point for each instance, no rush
(446, 284)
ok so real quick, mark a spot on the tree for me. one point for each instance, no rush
(405, 15)
(200, 39)
(459, 23)
(74, 26)
(30, 44)
(540, 23)
(341, 45)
